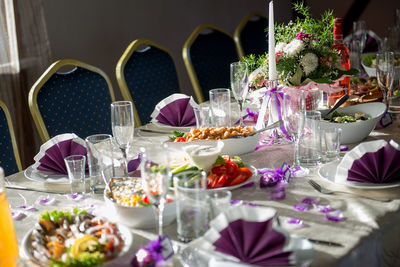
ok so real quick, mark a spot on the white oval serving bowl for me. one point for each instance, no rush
(356, 131)
(232, 146)
(140, 217)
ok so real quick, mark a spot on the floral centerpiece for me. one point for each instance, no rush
(303, 52)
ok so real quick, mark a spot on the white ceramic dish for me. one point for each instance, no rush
(356, 131)
(328, 172)
(123, 258)
(45, 177)
(172, 128)
(139, 217)
(232, 147)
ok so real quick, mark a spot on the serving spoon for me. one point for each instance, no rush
(274, 125)
(338, 104)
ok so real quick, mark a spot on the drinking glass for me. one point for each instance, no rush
(385, 74)
(310, 150)
(219, 202)
(294, 115)
(123, 127)
(76, 173)
(331, 141)
(220, 104)
(239, 84)
(156, 175)
(360, 33)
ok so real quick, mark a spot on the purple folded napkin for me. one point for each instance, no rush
(373, 162)
(52, 153)
(251, 235)
(175, 110)
(133, 166)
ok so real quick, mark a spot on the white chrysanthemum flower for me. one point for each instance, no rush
(309, 62)
(279, 47)
(294, 47)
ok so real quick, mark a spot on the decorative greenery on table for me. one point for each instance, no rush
(303, 52)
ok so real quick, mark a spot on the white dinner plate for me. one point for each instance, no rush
(124, 257)
(45, 177)
(328, 172)
(172, 128)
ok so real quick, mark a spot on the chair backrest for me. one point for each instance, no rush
(146, 74)
(77, 101)
(372, 44)
(208, 53)
(9, 156)
(250, 36)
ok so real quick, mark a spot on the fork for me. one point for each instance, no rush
(323, 190)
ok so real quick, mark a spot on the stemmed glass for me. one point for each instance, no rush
(156, 175)
(360, 33)
(385, 73)
(294, 116)
(123, 127)
(239, 84)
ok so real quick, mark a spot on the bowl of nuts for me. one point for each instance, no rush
(211, 135)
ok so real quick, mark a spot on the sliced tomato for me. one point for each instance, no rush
(146, 200)
(246, 172)
(230, 167)
(221, 181)
(219, 170)
(238, 180)
(180, 139)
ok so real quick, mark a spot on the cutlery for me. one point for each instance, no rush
(338, 104)
(323, 190)
(16, 187)
(326, 243)
(154, 131)
(274, 125)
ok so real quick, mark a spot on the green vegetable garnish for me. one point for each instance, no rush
(238, 160)
(55, 215)
(85, 259)
(176, 135)
(141, 203)
(220, 160)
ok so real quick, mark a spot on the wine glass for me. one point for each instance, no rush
(156, 175)
(385, 73)
(123, 127)
(294, 116)
(239, 79)
(360, 33)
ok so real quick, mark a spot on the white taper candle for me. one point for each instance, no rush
(271, 44)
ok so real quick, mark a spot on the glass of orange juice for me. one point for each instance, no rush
(8, 239)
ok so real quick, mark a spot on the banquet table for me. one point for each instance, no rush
(369, 233)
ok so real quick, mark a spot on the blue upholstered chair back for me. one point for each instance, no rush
(211, 54)
(77, 101)
(150, 76)
(9, 158)
(253, 37)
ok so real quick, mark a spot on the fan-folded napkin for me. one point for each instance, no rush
(370, 162)
(175, 110)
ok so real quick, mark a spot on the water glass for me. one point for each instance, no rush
(76, 173)
(219, 202)
(310, 153)
(191, 205)
(99, 156)
(203, 117)
(385, 74)
(220, 107)
(331, 143)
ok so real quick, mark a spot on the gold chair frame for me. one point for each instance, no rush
(133, 46)
(188, 61)
(239, 29)
(32, 98)
(12, 134)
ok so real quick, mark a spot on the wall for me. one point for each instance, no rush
(98, 31)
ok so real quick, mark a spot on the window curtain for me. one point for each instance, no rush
(24, 55)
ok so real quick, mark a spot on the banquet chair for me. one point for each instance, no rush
(146, 74)
(9, 156)
(208, 53)
(250, 36)
(76, 100)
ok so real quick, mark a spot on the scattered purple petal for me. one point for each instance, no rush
(250, 204)
(76, 196)
(323, 208)
(277, 195)
(299, 172)
(47, 201)
(301, 207)
(270, 177)
(27, 208)
(236, 202)
(310, 200)
(335, 216)
(344, 148)
(17, 215)
(292, 220)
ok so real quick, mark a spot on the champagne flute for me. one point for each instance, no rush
(385, 73)
(156, 175)
(239, 84)
(294, 116)
(123, 127)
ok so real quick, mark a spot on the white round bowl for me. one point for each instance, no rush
(356, 131)
(140, 217)
(232, 146)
